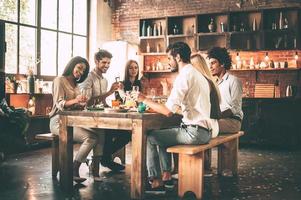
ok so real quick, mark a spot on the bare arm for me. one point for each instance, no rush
(160, 108)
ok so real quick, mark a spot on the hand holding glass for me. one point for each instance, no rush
(84, 97)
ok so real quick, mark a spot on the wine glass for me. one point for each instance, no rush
(153, 93)
(85, 95)
(117, 77)
(135, 89)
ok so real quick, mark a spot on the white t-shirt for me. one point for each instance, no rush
(191, 91)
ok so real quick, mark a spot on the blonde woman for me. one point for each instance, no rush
(200, 64)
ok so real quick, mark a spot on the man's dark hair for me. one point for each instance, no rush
(102, 54)
(222, 55)
(180, 48)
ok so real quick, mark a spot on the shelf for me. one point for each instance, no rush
(180, 36)
(151, 37)
(244, 32)
(247, 30)
(213, 34)
(268, 69)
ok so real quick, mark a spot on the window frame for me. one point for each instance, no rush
(39, 29)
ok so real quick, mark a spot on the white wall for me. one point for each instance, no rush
(100, 26)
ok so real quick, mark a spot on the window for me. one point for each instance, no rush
(43, 35)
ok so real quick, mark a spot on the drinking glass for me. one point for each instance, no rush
(117, 77)
(153, 93)
(135, 89)
(85, 95)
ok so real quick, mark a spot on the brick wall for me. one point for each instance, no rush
(125, 20)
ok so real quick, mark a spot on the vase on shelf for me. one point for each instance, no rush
(175, 30)
(211, 26)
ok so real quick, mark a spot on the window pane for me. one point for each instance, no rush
(27, 49)
(64, 54)
(80, 17)
(48, 53)
(11, 48)
(8, 10)
(79, 46)
(28, 12)
(49, 12)
(65, 15)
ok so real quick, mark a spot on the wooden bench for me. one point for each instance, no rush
(55, 150)
(191, 161)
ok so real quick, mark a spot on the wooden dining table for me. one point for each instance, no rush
(137, 123)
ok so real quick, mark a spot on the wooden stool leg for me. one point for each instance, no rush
(208, 156)
(191, 171)
(55, 157)
(175, 163)
(227, 157)
(120, 154)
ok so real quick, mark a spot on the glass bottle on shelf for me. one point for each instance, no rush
(222, 27)
(160, 29)
(158, 48)
(155, 30)
(280, 21)
(149, 31)
(242, 27)
(143, 31)
(147, 48)
(254, 27)
(30, 83)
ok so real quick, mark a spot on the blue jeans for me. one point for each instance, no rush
(159, 140)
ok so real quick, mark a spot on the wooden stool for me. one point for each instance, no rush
(55, 149)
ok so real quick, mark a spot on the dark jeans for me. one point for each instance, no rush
(115, 140)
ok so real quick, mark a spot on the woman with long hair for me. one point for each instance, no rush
(131, 76)
(67, 95)
(200, 64)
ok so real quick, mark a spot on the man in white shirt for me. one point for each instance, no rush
(230, 90)
(190, 96)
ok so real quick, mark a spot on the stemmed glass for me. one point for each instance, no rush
(135, 92)
(135, 89)
(85, 95)
(117, 77)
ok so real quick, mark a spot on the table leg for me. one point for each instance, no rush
(138, 159)
(66, 156)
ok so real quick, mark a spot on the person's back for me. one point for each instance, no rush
(189, 96)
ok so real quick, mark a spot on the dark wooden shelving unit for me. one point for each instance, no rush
(247, 30)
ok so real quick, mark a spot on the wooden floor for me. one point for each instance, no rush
(263, 174)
